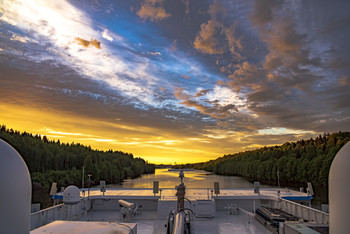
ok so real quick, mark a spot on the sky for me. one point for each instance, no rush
(175, 81)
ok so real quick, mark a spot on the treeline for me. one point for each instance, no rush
(295, 162)
(52, 161)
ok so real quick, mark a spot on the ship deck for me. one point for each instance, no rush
(147, 223)
(222, 223)
(98, 209)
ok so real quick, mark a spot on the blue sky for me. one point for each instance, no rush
(175, 80)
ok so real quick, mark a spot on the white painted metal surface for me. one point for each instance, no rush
(15, 196)
(78, 227)
(339, 189)
(71, 195)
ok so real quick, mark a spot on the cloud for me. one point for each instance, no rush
(214, 110)
(155, 53)
(281, 88)
(288, 61)
(263, 11)
(206, 40)
(202, 92)
(210, 104)
(86, 43)
(187, 8)
(152, 10)
(235, 42)
(53, 25)
(219, 36)
(344, 81)
(19, 38)
(106, 35)
(247, 75)
(284, 70)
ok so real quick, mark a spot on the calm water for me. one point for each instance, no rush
(203, 179)
(193, 179)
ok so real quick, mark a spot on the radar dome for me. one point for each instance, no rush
(71, 195)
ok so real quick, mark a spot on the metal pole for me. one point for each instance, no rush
(89, 175)
(82, 181)
(278, 178)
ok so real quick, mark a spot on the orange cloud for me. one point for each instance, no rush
(87, 43)
(344, 81)
(202, 92)
(234, 42)
(153, 10)
(210, 108)
(246, 75)
(206, 40)
(215, 37)
(215, 110)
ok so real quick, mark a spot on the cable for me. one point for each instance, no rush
(187, 209)
(122, 224)
(183, 198)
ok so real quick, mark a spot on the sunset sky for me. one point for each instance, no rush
(175, 81)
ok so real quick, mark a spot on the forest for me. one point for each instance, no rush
(52, 161)
(295, 163)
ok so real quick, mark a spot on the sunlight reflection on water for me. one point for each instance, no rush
(193, 179)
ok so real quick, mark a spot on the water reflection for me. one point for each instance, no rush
(193, 179)
(201, 179)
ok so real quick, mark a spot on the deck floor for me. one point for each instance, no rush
(147, 223)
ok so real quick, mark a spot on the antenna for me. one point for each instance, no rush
(82, 179)
(278, 181)
(181, 175)
(89, 175)
(278, 178)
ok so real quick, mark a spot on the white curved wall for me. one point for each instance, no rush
(15, 195)
(339, 192)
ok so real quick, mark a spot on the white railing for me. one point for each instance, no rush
(59, 212)
(301, 211)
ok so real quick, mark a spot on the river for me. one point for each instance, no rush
(203, 179)
(193, 179)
